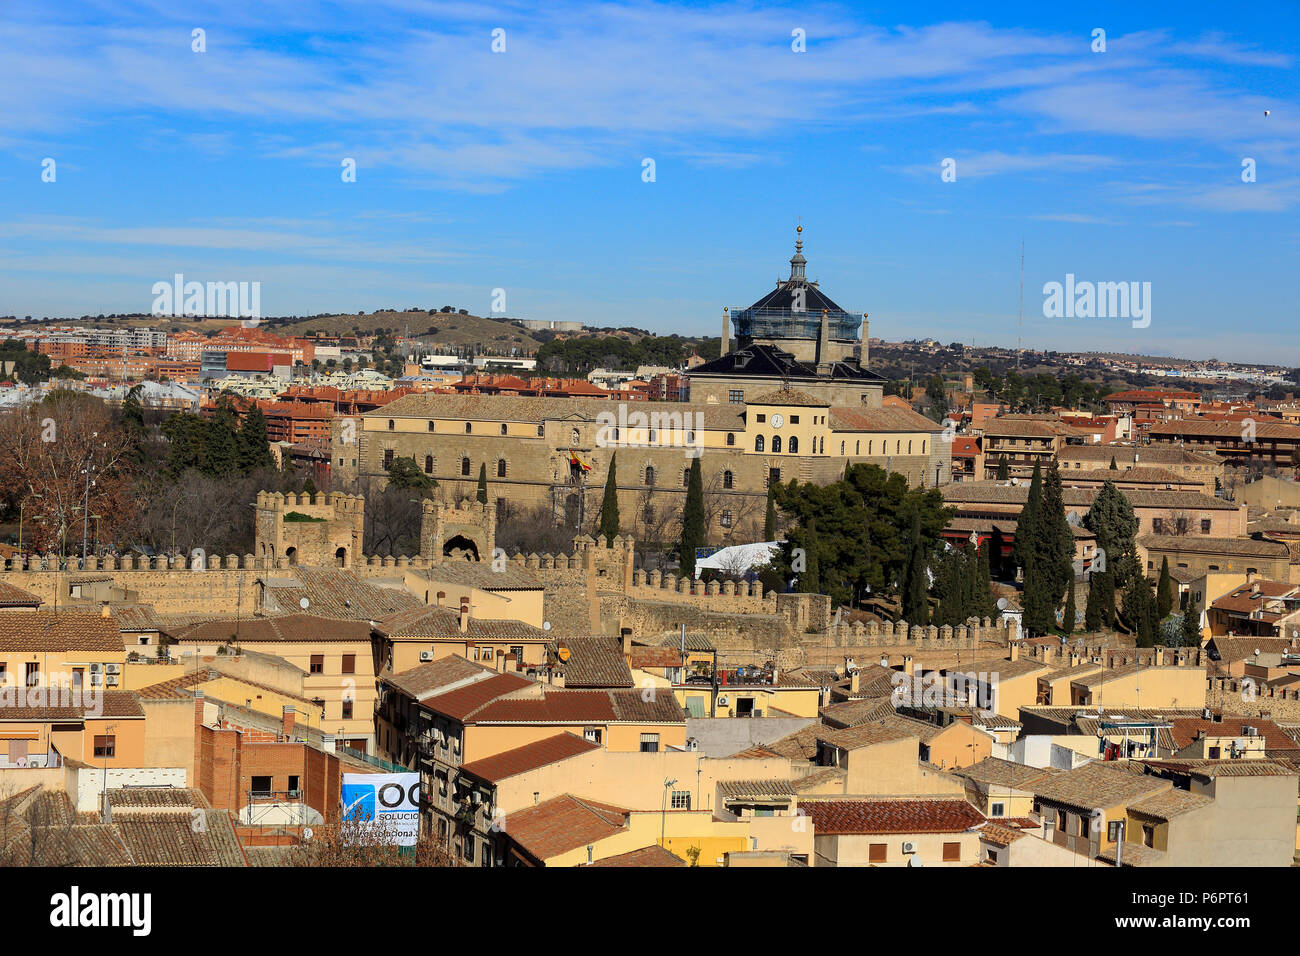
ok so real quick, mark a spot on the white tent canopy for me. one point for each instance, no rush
(739, 558)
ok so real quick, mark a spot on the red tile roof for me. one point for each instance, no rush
(891, 816)
(646, 856)
(11, 596)
(59, 631)
(528, 757)
(562, 824)
(464, 701)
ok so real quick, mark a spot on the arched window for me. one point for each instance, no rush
(390, 424)
(909, 446)
(467, 428)
(794, 445)
(464, 466)
(686, 478)
(922, 446)
(776, 444)
(841, 448)
(431, 428)
(574, 437)
(728, 479)
(428, 464)
(501, 467)
(649, 474)
(758, 443)
(898, 447)
(731, 439)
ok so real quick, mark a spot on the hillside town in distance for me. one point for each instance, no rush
(427, 588)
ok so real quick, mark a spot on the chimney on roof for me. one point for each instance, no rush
(855, 682)
(1015, 652)
(909, 665)
(287, 718)
(442, 596)
(464, 614)
(626, 641)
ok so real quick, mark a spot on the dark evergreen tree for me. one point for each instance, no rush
(1004, 472)
(1092, 610)
(254, 445)
(1113, 466)
(609, 506)
(221, 442)
(1067, 618)
(1054, 541)
(1190, 633)
(810, 579)
(916, 606)
(985, 604)
(1165, 590)
(482, 496)
(769, 521)
(693, 529)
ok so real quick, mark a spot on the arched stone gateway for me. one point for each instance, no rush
(459, 547)
(464, 531)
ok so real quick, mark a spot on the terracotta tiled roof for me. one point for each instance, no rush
(1186, 730)
(290, 628)
(429, 679)
(581, 706)
(867, 735)
(646, 856)
(1220, 547)
(800, 745)
(444, 622)
(787, 396)
(1003, 773)
(562, 824)
(1097, 785)
(854, 712)
(530, 410)
(1232, 649)
(596, 662)
(333, 592)
(11, 596)
(641, 657)
(464, 701)
(120, 704)
(756, 789)
(58, 631)
(178, 686)
(1170, 804)
(528, 757)
(999, 835)
(891, 816)
(484, 576)
(901, 420)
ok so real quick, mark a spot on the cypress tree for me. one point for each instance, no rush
(916, 607)
(1092, 610)
(220, 442)
(254, 443)
(693, 530)
(1164, 590)
(1191, 629)
(769, 521)
(1054, 540)
(985, 605)
(1027, 524)
(1067, 619)
(1113, 466)
(1004, 473)
(482, 483)
(609, 507)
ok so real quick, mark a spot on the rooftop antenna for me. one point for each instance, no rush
(1020, 322)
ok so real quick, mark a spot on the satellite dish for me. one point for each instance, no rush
(304, 603)
(306, 833)
(1002, 604)
(546, 625)
(563, 653)
(1265, 112)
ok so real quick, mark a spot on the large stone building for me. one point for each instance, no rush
(792, 402)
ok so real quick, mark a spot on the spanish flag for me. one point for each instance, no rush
(575, 460)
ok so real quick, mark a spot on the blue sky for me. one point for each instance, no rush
(522, 170)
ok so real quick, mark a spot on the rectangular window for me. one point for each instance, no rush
(649, 743)
(794, 419)
(1158, 525)
(592, 734)
(518, 651)
(33, 673)
(388, 458)
(469, 849)
(1205, 526)
(349, 664)
(951, 852)
(347, 710)
(735, 396)
(105, 745)
(261, 786)
(999, 810)
(760, 418)
(293, 784)
(1148, 835)
(78, 676)
(726, 519)
(877, 853)
(318, 664)
(681, 800)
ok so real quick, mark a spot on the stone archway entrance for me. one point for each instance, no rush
(459, 546)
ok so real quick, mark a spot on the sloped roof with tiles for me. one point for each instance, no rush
(179, 686)
(1170, 804)
(430, 679)
(878, 732)
(541, 753)
(596, 662)
(646, 856)
(851, 817)
(484, 576)
(902, 420)
(1187, 729)
(46, 704)
(800, 745)
(444, 622)
(333, 592)
(581, 706)
(290, 629)
(11, 596)
(461, 702)
(1003, 773)
(1097, 785)
(755, 789)
(854, 712)
(642, 656)
(999, 835)
(564, 823)
(37, 631)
